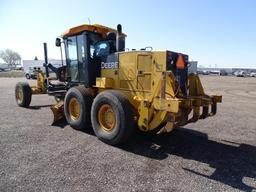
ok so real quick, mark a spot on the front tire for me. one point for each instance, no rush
(112, 117)
(23, 94)
(77, 107)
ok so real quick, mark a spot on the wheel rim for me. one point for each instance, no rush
(19, 95)
(106, 117)
(74, 109)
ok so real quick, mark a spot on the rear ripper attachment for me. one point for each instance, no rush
(180, 95)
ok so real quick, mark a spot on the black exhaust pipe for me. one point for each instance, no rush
(46, 64)
(46, 60)
(120, 39)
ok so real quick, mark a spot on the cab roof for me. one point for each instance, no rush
(100, 29)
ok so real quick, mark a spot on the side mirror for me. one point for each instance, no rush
(58, 42)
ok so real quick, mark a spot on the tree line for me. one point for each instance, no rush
(10, 57)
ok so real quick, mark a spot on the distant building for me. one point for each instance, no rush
(39, 63)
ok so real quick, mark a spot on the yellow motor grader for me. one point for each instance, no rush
(115, 90)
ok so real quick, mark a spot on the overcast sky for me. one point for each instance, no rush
(218, 33)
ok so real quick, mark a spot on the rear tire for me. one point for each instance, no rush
(120, 128)
(23, 94)
(77, 107)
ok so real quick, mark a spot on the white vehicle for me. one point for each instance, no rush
(31, 72)
(252, 74)
(4, 67)
(240, 74)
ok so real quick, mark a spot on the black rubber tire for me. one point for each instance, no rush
(122, 108)
(27, 94)
(27, 76)
(85, 100)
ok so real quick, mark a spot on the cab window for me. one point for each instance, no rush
(72, 62)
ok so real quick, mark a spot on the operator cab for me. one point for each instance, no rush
(86, 47)
(81, 56)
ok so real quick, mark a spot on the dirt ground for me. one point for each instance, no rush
(216, 154)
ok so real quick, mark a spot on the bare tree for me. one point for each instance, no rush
(11, 57)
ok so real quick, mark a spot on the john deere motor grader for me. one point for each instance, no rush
(115, 90)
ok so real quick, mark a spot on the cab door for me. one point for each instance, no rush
(72, 59)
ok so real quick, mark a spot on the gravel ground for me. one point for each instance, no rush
(217, 154)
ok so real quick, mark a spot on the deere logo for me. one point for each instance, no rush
(110, 65)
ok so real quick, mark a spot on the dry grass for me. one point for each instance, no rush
(12, 74)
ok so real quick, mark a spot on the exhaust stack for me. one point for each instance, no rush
(120, 39)
(46, 64)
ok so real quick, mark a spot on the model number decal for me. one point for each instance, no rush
(110, 65)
